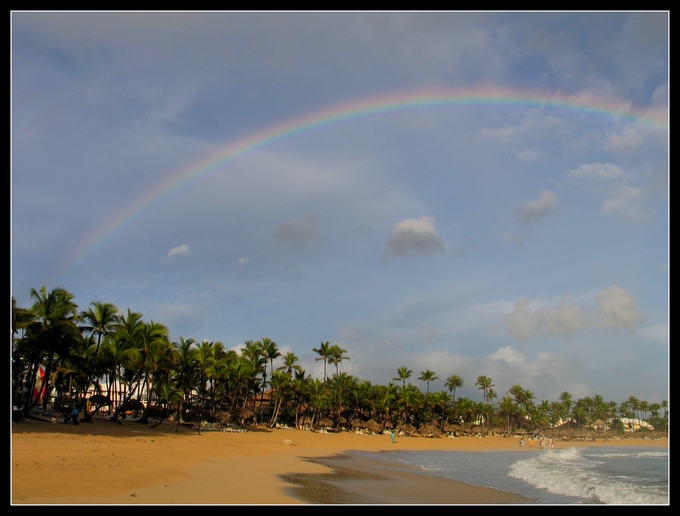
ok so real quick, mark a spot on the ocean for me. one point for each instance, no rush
(591, 475)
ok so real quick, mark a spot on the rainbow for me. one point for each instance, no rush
(353, 110)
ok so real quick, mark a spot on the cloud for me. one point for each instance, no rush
(629, 140)
(241, 261)
(508, 354)
(415, 236)
(617, 309)
(180, 250)
(520, 322)
(611, 181)
(538, 208)
(565, 319)
(527, 155)
(597, 172)
(297, 235)
(627, 202)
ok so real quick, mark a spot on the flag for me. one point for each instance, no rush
(39, 380)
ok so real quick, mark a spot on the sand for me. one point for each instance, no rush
(130, 463)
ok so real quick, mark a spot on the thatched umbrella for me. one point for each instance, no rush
(373, 425)
(408, 429)
(429, 431)
(452, 427)
(325, 422)
(244, 415)
(222, 417)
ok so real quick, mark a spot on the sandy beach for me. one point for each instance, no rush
(129, 463)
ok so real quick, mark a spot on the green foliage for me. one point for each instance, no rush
(617, 426)
(103, 350)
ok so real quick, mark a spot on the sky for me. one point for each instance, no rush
(469, 193)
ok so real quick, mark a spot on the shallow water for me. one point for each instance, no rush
(594, 475)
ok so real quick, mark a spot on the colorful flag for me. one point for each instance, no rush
(39, 380)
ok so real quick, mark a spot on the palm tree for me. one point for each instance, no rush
(319, 399)
(385, 401)
(403, 374)
(484, 383)
(427, 376)
(154, 346)
(101, 318)
(54, 332)
(340, 385)
(506, 407)
(24, 353)
(336, 355)
(324, 352)
(184, 374)
(452, 383)
(290, 360)
(270, 351)
(409, 402)
(440, 402)
(566, 398)
(128, 358)
(282, 385)
(300, 392)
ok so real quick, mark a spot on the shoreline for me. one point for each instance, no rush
(104, 463)
(355, 480)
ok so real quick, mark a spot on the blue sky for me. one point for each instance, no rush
(523, 236)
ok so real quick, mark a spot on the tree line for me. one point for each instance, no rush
(86, 353)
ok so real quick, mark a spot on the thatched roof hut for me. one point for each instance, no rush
(244, 415)
(373, 426)
(452, 427)
(429, 431)
(408, 429)
(325, 422)
(223, 417)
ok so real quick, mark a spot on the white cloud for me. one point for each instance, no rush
(415, 236)
(596, 172)
(628, 202)
(630, 139)
(508, 354)
(180, 250)
(617, 309)
(538, 208)
(527, 155)
(623, 200)
(520, 322)
(565, 319)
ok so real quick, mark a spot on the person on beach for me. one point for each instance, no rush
(392, 436)
(74, 416)
(521, 441)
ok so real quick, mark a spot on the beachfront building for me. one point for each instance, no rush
(633, 424)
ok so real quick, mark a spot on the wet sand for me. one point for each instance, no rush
(364, 480)
(104, 463)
